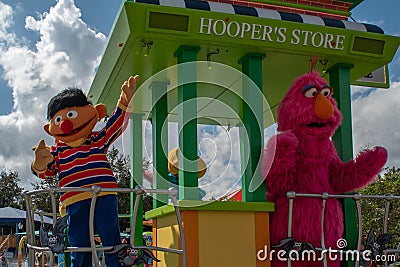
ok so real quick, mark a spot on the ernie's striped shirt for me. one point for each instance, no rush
(87, 164)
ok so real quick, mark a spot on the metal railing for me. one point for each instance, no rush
(357, 197)
(95, 190)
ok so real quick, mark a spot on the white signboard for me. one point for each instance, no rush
(377, 78)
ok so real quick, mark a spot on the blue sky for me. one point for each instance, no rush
(48, 45)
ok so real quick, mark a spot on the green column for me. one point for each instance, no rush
(252, 130)
(137, 172)
(187, 122)
(339, 77)
(159, 122)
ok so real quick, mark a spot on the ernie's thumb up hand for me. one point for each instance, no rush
(42, 156)
(128, 89)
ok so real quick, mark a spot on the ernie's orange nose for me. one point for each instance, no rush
(66, 126)
(323, 108)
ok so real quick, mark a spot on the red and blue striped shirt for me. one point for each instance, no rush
(87, 164)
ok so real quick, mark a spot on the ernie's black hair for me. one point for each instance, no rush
(70, 97)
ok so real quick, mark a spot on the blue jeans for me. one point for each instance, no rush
(105, 223)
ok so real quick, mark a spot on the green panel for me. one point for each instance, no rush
(158, 20)
(276, 37)
(343, 139)
(367, 45)
(110, 61)
(160, 140)
(137, 173)
(212, 206)
(252, 118)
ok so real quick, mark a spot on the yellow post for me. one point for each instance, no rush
(20, 246)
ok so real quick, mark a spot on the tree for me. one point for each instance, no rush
(10, 191)
(42, 201)
(120, 165)
(373, 209)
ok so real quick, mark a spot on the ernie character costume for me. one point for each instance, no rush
(79, 159)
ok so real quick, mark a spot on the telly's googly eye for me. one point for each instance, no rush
(310, 93)
(326, 92)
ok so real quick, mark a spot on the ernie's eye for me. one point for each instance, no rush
(72, 114)
(326, 92)
(310, 93)
(57, 120)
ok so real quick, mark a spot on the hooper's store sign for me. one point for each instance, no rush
(272, 34)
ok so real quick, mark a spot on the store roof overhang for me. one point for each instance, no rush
(354, 3)
(287, 40)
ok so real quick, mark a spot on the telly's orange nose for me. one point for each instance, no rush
(323, 108)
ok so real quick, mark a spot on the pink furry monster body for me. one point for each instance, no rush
(302, 158)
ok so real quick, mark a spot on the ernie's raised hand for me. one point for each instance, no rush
(128, 89)
(42, 156)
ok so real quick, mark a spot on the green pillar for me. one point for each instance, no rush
(187, 122)
(252, 130)
(159, 122)
(339, 77)
(137, 172)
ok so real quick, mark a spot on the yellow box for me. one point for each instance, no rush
(217, 233)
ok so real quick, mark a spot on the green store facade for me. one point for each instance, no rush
(185, 52)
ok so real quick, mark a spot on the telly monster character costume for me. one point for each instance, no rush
(302, 158)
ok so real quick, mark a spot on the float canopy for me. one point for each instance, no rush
(287, 42)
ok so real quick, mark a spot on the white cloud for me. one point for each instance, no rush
(376, 121)
(219, 148)
(66, 54)
(378, 22)
(6, 18)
